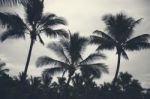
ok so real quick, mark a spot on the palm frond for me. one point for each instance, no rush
(44, 60)
(11, 21)
(137, 22)
(52, 71)
(34, 11)
(124, 54)
(102, 43)
(54, 33)
(140, 38)
(52, 21)
(12, 34)
(93, 57)
(104, 35)
(97, 40)
(45, 18)
(40, 39)
(59, 50)
(138, 43)
(95, 69)
(135, 46)
(77, 46)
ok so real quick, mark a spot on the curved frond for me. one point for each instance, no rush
(54, 33)
(135, 46)
(93, 57)
(124, 54)
(94, 69)
(12, 34)
(140, 38)
(52, 21)
(44, 60)
(40, 39)
(11, 21)
(102, 43)
(104, 35)
(52, 71)
(45, 18)
(59, 50)
(138, 43)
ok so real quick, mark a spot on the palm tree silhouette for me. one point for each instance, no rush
(70, 54)
(36, 23)
(119, 29)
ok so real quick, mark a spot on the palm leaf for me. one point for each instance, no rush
(93, 57)
(12, 34)
(54, 33)
(102, 42)
(40, 39)
(34, 11)
(138, 43)
(124, 54)
(11, 21)
(104, 35)
(140, 38)
(45, 18)
(44, 60)
(77, 47)
(52, 71)
(59, 50)
(95, 69)
(52, 21)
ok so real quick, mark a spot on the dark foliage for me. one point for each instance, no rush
(81, 88)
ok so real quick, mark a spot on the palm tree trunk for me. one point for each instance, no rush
(28, 59)
(117, 70)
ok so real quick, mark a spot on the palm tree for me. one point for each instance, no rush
(120, 29)
(36, 23)
(70, 54)
(2, 69)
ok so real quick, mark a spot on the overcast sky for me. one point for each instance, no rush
(84, 16)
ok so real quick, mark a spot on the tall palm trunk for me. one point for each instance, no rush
(117, 70)
(28, 59)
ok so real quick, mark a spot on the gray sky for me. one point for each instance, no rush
(84, 16)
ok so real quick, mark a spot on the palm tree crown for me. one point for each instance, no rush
(36, 23)
(70, 54)
(120, 29)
